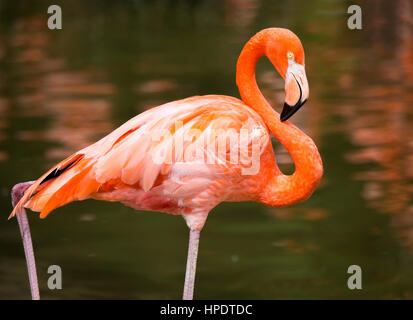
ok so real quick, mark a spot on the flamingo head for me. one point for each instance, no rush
(286, 53)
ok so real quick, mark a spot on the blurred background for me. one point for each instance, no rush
(61, 90)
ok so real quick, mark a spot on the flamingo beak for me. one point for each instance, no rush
(296, 90)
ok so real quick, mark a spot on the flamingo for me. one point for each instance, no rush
(123, 167)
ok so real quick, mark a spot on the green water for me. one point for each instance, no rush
(61, 90)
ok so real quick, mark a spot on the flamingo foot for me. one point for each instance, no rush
(191, 264)
(16, 194)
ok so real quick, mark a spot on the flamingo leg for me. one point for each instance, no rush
(191, 264)
(16, 194)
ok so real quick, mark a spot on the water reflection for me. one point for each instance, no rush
(60, 91)
(381, 128)
(76, 102)
(240, 13)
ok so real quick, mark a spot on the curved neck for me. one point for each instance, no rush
(281, 189)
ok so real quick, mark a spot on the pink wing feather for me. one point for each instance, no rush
(126, 155)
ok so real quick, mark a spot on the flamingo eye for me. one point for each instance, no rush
(290, 55)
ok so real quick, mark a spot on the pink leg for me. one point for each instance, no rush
(16, 194)
(191, 264)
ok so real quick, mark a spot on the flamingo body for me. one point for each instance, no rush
(187, 156)
(120, 167)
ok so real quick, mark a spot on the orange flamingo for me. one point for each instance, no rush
(131, 165)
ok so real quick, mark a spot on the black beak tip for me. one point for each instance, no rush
(288, 110)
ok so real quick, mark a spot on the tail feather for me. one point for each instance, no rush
(78, 187)
(68, 181)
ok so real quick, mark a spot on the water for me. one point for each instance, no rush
(62, 90)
